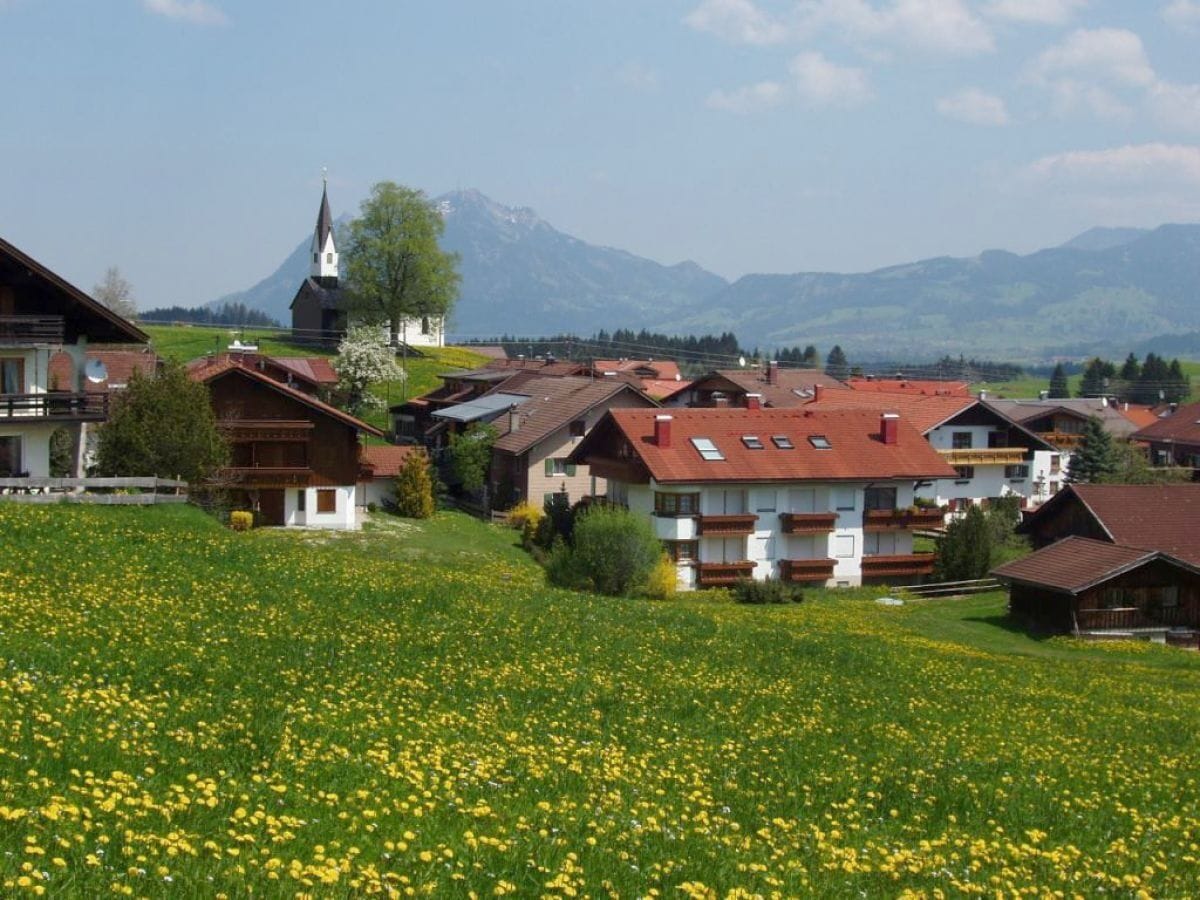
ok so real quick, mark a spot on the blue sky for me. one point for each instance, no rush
(183, 140)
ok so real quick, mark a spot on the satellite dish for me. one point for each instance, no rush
(678, 377)
(95, 371)
(742, 361)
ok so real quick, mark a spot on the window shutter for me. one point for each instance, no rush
(549, 467)
(570, 470)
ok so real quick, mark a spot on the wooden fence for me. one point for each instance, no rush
(951, 588)
(107, 491)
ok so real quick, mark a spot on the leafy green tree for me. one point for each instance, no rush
(471, 455)
(836, 364)
(1132, 466)
(414, 488)
(394, 269)
(965, 550)
(613, 550)
(161, 425)
(1058, 383)
(363, 359)
(1094, 459)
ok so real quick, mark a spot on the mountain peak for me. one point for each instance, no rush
(472, 202)
(1099, 239)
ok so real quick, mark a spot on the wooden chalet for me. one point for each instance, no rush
(1061, 422)
(1174, 439)
(312, 375)
(776, 387)
(295, 459)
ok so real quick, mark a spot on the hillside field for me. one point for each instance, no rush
(408, 709)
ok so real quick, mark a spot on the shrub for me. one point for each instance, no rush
(372, 506)
(414, 488)
(614, 550)
(560, 566)
(663, 581)
(523, 513)
(241, 520)
(770, 591)
(965, 550)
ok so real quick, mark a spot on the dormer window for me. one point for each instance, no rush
(820, 442)
(707, 449)
(782, 442)
(328, 257)
(752, 442)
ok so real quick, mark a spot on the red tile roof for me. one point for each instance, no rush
(386, 461)
(208, 373)
(924, 411)
(857, 450)
(1150, 516)
(664, 369)
(1076, 564)
(317, 369)
(1182, 427)
(911, 386)
(792, 387)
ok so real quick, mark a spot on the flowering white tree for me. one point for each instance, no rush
(364, 358)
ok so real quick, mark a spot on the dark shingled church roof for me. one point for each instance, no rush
(326, 290)
(324, 220)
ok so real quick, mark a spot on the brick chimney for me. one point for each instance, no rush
(889, 427)
(514, 419)
(773, 372)
(818, 390)
(754, 401)
(662, 431)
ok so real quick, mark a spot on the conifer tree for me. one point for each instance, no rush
(965, 551)
(836, 365)
(1131, 370)
(414, 488)
(1178, 386)
(1094, 375)
(1058, 383)
(1095, 459)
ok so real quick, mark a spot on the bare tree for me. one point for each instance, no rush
(116, 293)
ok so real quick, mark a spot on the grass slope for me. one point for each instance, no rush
(188, 710)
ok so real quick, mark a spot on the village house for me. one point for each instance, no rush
(295, 460)
(809, 497)
(379, 465)
(319, 307)
(1062, 422)
(1174, 438)
(46, 325)
(312, 375)
(777, 387)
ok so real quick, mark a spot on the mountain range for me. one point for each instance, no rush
(1108, 290)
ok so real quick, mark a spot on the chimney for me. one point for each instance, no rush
(719, 400)
(662, 431)
(1043, 395)
(817, 392)
(754, 401)
(889, 427)
(773, 372)
(983, 395)
(514, 419)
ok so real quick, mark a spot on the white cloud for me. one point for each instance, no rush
(739, 21)
(197, 12)
(1131, 166)
(1176, 105)
(1183, 14)
(1042, 12)
(974, 107)
(1111, 54)
(820, 82)
(944, 26)
(753, 98)
(637, 77)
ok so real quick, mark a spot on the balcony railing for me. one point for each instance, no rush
(22, 330)
(1127, 618)
(806, 571)
(716, 574)
(808, 523)
(902, 564)
(1063, 440)
(55, 407)
(990, 456)
(727, 526)
(269, 476)
(902, 519)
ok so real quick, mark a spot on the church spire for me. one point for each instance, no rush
(324, 252)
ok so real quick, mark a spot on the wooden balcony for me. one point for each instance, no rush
(808, 523)
(1063, 440)
(727, 526)
(806, 571)
(245, 431)
(990, 456)
(268, 476)
(902, 519)
(718, 574)
(905, 564)
(57, 406)
(1133, 618)
(16, 331)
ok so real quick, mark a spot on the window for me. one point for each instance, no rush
(676, 504)
(960, 440)
(1170, 596)
(328, 257)
(963, 473)
(424, 324)
(879, 498)
(820, 442)
(10, 456)
(682, 551)
(578, 427)
(326, 501)
(997, 439)
(844, 498)
(1054, 486)
(316, 257)
(752, 442)
(707, 449)
(1016, 473)
(1055, 463)
(802, 500)
(766, 500)
(882, 544)
(12, 376)
(843, 546)
(782, 442)
(558, 466)
(301, 500)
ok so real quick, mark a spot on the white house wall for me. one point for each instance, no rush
(343, 517)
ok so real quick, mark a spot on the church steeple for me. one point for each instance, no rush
(324, 252)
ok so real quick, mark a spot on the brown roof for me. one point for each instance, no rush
(541, 366)
(208, 373)
(857, 451)
(1076, 564)
(664, 369)
(120, 365)
(1109, 414)
(792, 387)
(317, 369)
(553, 403)
(911, 386)
(1162, 517)
(1181, 427)
(385, 461)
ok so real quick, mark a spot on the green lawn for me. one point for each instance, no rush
(1028, 387)
(188, 711)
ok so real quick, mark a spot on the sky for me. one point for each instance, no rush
(184, 140)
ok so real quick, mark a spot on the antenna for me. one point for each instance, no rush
(742, 361)
(95, 371)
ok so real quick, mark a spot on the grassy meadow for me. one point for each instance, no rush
(409, 710)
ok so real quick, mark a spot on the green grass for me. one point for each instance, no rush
(1029, 387)
(188, 711)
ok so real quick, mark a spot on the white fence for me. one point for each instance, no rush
(109, 491)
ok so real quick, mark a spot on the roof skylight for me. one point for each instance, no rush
(820, 442)
(783, 442)
(707, 449)
(752, 442)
